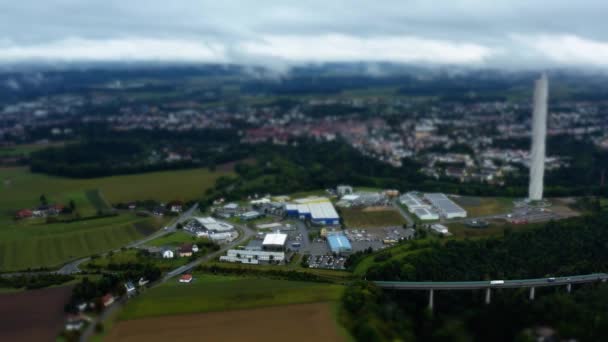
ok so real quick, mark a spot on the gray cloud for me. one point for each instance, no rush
(512, 33)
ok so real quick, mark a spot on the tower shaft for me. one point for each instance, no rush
(539, 135)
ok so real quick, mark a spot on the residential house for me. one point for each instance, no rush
(185, 250)
(24, 213)
(168, 254)
(107, 300)
(186, 278)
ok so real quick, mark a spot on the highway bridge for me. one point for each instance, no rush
(532, 284)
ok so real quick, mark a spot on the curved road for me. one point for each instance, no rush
(244, 234)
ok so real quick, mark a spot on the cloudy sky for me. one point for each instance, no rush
(519, 33)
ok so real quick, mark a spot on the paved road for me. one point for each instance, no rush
(472, 285)
(405, 214)
(73, 267)
(244, 234)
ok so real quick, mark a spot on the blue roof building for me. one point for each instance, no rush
(338, 243)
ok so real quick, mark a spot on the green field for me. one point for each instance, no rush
(361, 218)
(24, 150)
(130, 256)
(20, 188)
(220, 293)
(484, 206)
(33, 244)
(173, 239)
(398, 252)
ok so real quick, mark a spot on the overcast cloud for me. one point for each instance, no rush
(515, 33)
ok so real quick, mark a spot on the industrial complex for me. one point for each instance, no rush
(432, 206)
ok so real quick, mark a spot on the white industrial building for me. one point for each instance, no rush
(252, 256)
(274, 241)
(416, 206)
(439, 228)
(446, 207)
(425, 214)
(212, 224)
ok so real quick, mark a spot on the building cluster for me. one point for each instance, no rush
(431, 206)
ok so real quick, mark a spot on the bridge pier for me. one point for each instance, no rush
(431, 300)
(569, 288)
(488, 295)
(532, 293)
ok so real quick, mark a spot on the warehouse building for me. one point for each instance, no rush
(213, 225)
(426, 214)
(252, 256)
(319, 210)
(274, 241)
(339, 244)
(446, 207)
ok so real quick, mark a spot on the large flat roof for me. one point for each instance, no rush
(338, 242)
(318, 207)
(323, 210)
(443, 203)
(274, 239)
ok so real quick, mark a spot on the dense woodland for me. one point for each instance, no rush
(105, 153)
(569, 247)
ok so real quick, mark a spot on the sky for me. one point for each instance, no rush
(488, 33)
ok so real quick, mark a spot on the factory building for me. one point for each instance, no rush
(425, 214)
(319, 210)
(339, 244)
(446, 207)
(252, 256)
(274, 241)
(213, 225)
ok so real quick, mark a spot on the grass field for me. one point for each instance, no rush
(363, 218)
(397, 252)
(20, 188)
(173, 239)
(221, 293)
(25, 244)
(24, 150)
(484, 206)
(130, 256)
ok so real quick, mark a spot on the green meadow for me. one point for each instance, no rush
(36, 244)
(32, 243)
(220, 293)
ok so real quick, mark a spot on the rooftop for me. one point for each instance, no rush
(275, 239)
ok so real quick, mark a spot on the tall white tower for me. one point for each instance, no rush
(539, 135)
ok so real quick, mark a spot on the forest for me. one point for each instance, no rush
(569, 247)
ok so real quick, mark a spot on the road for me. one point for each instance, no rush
(73, 267)
(473, 285)
(405, 214)
(244, 234)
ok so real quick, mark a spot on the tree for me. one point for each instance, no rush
(72, 205)
(43, 200)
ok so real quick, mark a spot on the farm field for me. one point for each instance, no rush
(33, 315)
(25, 244)
(300, 322)
(371, 217)
(173, 240)
(221, 293)
(484, 206)
(19, 188)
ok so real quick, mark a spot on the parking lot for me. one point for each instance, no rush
(327, 261)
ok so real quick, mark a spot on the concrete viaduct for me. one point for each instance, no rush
(532, 284)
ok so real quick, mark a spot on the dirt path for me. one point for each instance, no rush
(303, 322)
